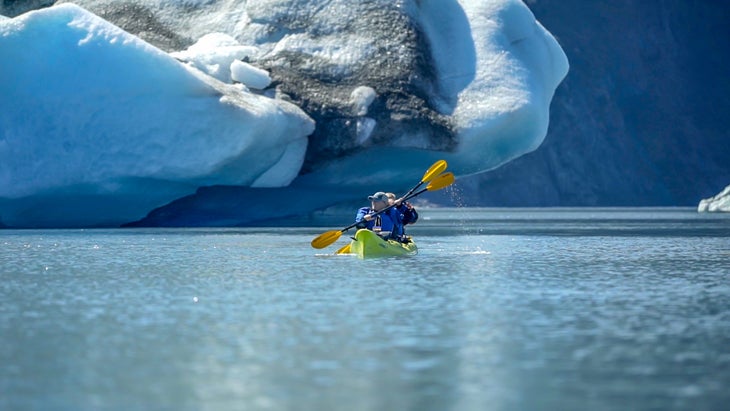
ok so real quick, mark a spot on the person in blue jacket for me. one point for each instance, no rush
(410, 215)
(388, 224)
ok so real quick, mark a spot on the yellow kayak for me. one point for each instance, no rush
(367, 244)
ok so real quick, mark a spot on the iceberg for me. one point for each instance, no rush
(231, 97)
(97, 127)
(717, 203)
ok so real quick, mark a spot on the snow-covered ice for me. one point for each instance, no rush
(214, 54)
(362, 97)
(717, 203)
(519, 65)
(89, 110)
(249, 76)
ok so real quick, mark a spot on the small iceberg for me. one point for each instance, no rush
(718, 203)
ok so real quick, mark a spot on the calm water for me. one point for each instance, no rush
(501, 310)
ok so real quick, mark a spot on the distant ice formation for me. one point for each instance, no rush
(718, 203)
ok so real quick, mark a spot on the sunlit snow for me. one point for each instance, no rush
(250, 76)
(214, 53)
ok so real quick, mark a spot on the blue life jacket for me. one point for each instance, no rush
(391, 221)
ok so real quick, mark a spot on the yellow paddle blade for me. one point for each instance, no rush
(443, 180)
(436, 169)
(344, 250)
(323, 240)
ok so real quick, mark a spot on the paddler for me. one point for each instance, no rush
(388, 224)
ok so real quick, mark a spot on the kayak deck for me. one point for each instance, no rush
(367, 244)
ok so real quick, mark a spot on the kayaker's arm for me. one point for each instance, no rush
(410, 215)
(363, 217)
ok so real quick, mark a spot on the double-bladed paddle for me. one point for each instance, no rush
(441, 181)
